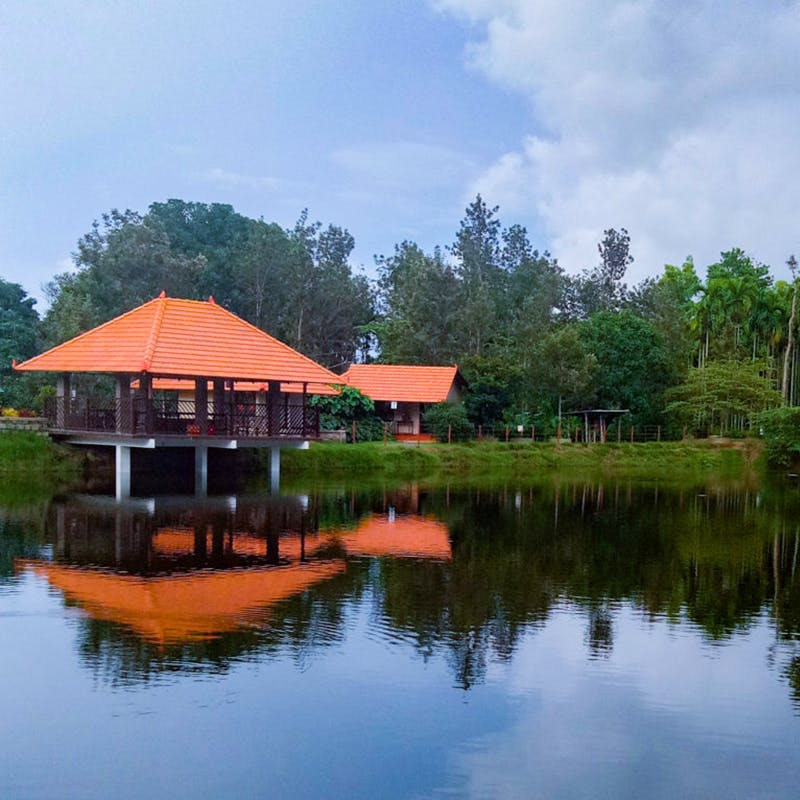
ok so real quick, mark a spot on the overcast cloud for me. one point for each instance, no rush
(678, 121)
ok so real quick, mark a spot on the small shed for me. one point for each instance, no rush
(402, 393)
(596, 421)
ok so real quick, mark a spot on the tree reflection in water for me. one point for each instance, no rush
(716, 557)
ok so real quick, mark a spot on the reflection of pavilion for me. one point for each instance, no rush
(197, 574)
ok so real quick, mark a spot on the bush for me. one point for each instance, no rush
(9, 412)
(781, 431)
(340, 411)
(448, 417)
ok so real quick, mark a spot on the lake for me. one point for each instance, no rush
(563, 639)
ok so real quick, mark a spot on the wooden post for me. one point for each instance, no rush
(658, 434)
(533, 433)
(355, 431)
(619, 429)
(632, 433)
(506, 432)
(684, 434)
(480, 431)
(274, 407)
(385, 433)
(305, 400)
(558, 434)
(449, 434)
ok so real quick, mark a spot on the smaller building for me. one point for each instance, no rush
(402, 393)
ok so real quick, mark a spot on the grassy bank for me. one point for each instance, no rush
(31, 465)
(647, 460)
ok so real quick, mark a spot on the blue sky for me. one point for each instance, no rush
(386, 118)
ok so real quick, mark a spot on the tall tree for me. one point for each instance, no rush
(632, 366)
(477, 252)
(601, 288)
(18, 340)
(417, 294)
(792, 264)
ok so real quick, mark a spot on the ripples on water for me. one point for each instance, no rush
(553, 640)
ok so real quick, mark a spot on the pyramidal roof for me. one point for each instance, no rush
(404, 383)
(178, 338)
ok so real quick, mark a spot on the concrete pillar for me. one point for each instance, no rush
(123, 472)
(201, 470)
(275, 470)
(63, 396)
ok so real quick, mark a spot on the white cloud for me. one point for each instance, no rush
(676, 121)
(225, 178)
(405, 165)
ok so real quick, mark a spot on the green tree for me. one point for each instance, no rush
(448, 421)
(724, 396)
(123, 262)
(417, 291)
(564, 369)
(632, 365)
(477, 253)
(18, 340)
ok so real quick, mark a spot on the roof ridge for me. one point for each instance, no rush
(150, 348)
(285, 346)
(86, 333)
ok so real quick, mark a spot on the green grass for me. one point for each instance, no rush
(31, 465)
(521, 460)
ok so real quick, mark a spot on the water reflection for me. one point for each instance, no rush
(173, 584)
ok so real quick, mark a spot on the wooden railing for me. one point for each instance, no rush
(140, 417)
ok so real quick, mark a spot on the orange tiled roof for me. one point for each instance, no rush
(172, 337)
(408, 384)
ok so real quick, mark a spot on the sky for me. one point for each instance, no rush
(677, 121)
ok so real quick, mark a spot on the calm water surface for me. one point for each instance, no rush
(560, 640)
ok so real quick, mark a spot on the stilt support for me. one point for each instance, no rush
(275, 469)
(123, 472)
(201, 470)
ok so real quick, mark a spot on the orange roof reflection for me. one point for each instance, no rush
(409, 536)
(184, 608)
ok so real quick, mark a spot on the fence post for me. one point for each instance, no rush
(632, 430)
(355, 431)
(480, 431)
(684, 434)
(558, 434)
(619, 430)
(533, 433)
(658, 434)
(506, 432)
(385, 433)
(449, 434)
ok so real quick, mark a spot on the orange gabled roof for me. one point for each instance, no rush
(409, 384)
(172, 337)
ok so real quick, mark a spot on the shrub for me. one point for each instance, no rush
(444, 417)
(338, 412)
(781, 431)
(9, 412)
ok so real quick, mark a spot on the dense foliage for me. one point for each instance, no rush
(340, 411)
(532, 341)
(448, 422)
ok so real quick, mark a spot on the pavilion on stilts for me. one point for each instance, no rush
(247, 388)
